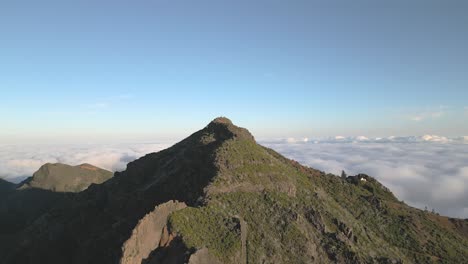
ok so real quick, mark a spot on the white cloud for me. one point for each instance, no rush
(20, 161)
(362, 138)
(429, 114)
(434, 138)
(423, 171)
(296, 140)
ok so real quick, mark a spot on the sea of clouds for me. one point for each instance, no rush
(423, 171)
(20, 161)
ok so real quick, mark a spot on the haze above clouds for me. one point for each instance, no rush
(423, 171)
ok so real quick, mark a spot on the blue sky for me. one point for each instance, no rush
(100, 70)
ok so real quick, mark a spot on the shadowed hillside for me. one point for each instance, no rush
(22, 204)
(5, 187)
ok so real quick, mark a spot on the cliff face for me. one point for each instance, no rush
(244, 204)
(149, 234)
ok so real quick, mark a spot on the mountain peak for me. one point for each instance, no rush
(219, 197)
(222, 120)
(223, 128)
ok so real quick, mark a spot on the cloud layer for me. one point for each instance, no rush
(20, 161)
(423, 171)
(362, 139)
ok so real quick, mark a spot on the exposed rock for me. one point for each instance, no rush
(315, 218)
(461, 225)
(376, 202)
(346, 231)
(166, 237)
(149, 234)
(203, 256)
(174, 253)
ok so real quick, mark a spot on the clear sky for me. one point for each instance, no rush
(152, 69)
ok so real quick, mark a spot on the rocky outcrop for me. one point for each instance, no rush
(315, 218)
(203, 256)
(149, 234)
(346, 233)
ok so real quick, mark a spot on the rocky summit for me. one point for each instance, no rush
(219, 197)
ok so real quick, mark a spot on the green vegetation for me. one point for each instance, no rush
(296, 214)
(247, 204)
(65, 178)
(243, 161)
(208, 227)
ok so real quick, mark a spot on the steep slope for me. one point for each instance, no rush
(296, 214)
(20, 206)
(149, 233)
(245, 204)
(6, 187)
(95, 223)
(60, 177)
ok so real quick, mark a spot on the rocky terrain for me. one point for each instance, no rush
(219, 197)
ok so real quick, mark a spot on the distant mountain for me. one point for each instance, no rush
(219, 197)
(22, 204)
(59, 177)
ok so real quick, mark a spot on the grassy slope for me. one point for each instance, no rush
(294, 214)
(65, 178)
(324, 218)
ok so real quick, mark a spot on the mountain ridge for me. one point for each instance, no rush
(23, 203)
(244, 203)
(5, 187)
